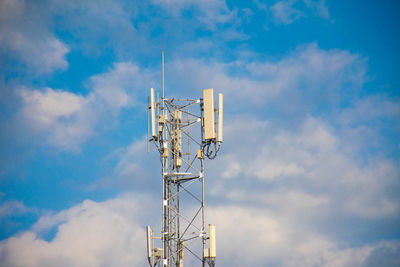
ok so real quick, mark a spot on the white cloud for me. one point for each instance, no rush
(97, 25)
(67, 119)
(47, 107)
(249, 236)
(233, 167)
(291, 204)
(131, 161)
(306, 79)
(311, 160)
(26, 31)
(108, 233)
(284, 12)
(211, 12)
(384, 254)
(112, 233)
(277, 169)
(319, 7)
(369, 123)
(231, 35)
(23, 35)
(260, 5)
(371, 109)
(14, 207)
(136, 169)
(122, 85)
(288, 11)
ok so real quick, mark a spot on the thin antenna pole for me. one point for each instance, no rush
(163, 69)
(148, 125)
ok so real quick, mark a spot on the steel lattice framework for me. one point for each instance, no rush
(179, 137)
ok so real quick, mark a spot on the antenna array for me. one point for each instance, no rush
(184, 133)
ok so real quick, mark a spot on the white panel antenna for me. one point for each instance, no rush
(209, 128)
(213, 244)
(220, 117)
(211, 253)
(153, 113)
(149, 239)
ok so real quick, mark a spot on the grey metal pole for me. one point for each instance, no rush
(202, 188)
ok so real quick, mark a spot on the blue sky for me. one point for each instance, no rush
(309, 166)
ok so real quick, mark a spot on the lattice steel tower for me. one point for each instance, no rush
(185, 132)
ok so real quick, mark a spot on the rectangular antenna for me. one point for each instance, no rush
(178, 137)
(148, 125)
(208, 100)
(213, 243)
(220, 116)
(153, 113)
(148, 242)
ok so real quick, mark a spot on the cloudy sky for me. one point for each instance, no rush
(309, 171)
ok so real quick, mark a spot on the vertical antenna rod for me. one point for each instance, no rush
(162, 53)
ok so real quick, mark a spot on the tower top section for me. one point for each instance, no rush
(162, 113)
(185, 132)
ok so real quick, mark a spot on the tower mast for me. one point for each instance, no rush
(180, 125)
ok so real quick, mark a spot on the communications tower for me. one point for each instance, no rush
(185, 133)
